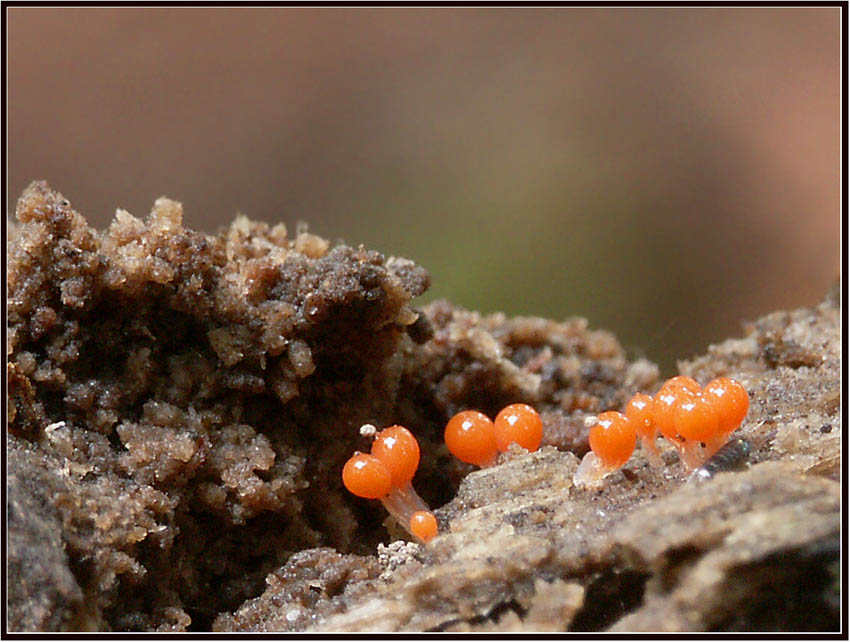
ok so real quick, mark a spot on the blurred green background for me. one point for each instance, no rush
(666, 173)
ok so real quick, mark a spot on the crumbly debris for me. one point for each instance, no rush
(311, 580)
(199, 392)
(53, 598)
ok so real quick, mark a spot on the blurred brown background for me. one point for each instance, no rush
(666, 173)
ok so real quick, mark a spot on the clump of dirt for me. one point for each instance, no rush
(193, 397)
(180, 406)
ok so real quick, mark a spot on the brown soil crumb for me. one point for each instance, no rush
(180, 406)
(194, 397)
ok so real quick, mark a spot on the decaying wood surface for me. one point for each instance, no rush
(180, 406)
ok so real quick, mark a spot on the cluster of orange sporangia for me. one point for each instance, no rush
(386, 474)
(696, 420)
(471, 436)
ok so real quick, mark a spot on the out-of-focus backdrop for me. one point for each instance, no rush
(666, 173)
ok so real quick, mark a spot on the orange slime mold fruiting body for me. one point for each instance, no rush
(639, 412)
(518, 423)
(731, 400)
(471, 437)
(423, 524)
(665, 410)
(732, 403)
(681, 382)
(366, 476)
(698, 421)
(398, 449)
(612, 441)
(695, 418)
(663, 413)
(386, 475)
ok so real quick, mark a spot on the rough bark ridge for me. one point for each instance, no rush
(180, 406)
